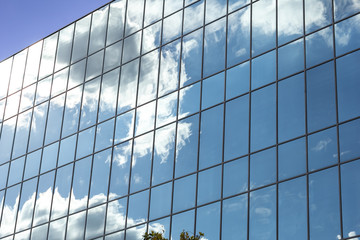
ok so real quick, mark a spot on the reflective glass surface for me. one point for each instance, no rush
(236, 118)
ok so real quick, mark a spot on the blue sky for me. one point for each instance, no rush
(24, 22)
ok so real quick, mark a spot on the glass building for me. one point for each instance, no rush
(236, 118)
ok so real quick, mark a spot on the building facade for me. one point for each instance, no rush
(236, 118)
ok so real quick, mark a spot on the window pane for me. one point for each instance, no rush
(108, 96)
(59, 82)
(160, 202)
(116, 21)
(17, 71)
(32, 164)
(349, 140)
(319, 47)
(98, 29)
(104, 135)
(166, 109)
(182, 221)
(344, 8)
(321, 97)
(145, 118)
(291, 58)
(153, 11)
(263, 168)
(94, 65)
(67, 150)
(128, 83)
(38, 126)
(234, 218)
(138, 208)
(235, 178)
(290, 20)
(85, 143)
(214, 9)
(77, 74)
(213, 90)
(209, 185)
(131, 47)
(81, 39)
(5, 70)
(172, 27)
(318, 13)
(124, 127)
(113, 56)
(49, 157)
(263, 70)
(148, 79)
(193, 16)
(189, 100)
(26, 204)
(6, 139)
(48, 55)
(63, 52)
(184, 193)
(76, 221)
(134, 17)
(292, 158)
(16, 167)
(116, 215)
(43, 90)
(208, 220)
(90, 103)
(95, 222)
(347, 34)
(53, 126)
(32, 64)
(27, 98)
(22, 134)
(72, 108)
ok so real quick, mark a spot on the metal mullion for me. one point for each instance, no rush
(337, 122)
(200, 114)
(177, 115)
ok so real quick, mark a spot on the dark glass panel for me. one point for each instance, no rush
(213, 90)
(349, 140)
(263, 168)
(292, 158)
(319, 47)
(291, 58)
(237, 80)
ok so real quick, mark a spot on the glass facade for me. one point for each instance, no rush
(236, 118)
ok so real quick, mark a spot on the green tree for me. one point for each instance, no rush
(159, 236)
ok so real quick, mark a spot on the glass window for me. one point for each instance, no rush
(22, 235)
(116, 215)
(214, 47)
(63, 52)
(49, 157)
(215, 9)
(128, 85)
(6, 139)
(90, 102)
(172, 27)
(212, 90)
(94, 65)
(235, 4)
(189, 100)
(22, 134)
(61, 195)
(120, 170)
(292, 158)
(12, 105)
(263, 70)
(172, 6)
(131, 47)
(81, 39)
(104, 135)
(80, 185)
(160, 202)
(26, 204)
(153, 11)
(10, 202)
(263, 26)
(324, 204)
(262, 209)
(181, 222)
(98, 29)
(349, 140)
(17, 71)
(43, 90)
(209, 185)
(116, 21)
(67, 150)
(113, 56)
(344, 8)
(322, 149)
(291, 107)
(235, 178)
(5, 70)
(163, 162)
(48, 56)
(290, 20)
(4, 169)
(32, 64)
(293, 209)
(72, 111)
(291, 58)
(234, 218)
(263, 118)
(263, 168)
(145, 118)
(193, 16)
(95, 222)
(318, 13)
(138, 208)
(57, 229)
(166, 109)
(211, 137)
(85, 143)
(124, 127)
(76, 221)
(347, 34)
(43, 198)
(59, 82)
(319, 47)
(148, 79)
(237, 80)
(191, 57)
(236, 128)
(32, 164)
(187, 145)
(108, 95)
(350, 195)
(169, 68)
(38, 126)
(321, 97)
(141, 162)
(16, 170)
(347, 85)
(39, 232)
(134, 16)
(77, 74)
(27, 98)
(54, 121)
(184, 193)
(208, 220)
(100, 177)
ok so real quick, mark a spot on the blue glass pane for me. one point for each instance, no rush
(4, 169)
(90, 103)
(237, 80)
(290, 20)
(236, 128)
(124, 127)
(37, 126)
(181, 222)
(61, 195)
(72, 111)
(184, 193)
(321, 97)
(212, 90)
(172, 27)
(234, 218)
(95, 222)
(193, 15)
(208, 220)
(322, 149)
(189, 100)
(235, 178)
(127, 88)
(166, 109)
(76, 220)
(344, 8)
(49, 157)
(6, 139)
(347, 86)
(148, 80)
(349, 140)
(347, 34)
(85, 143)
(16, 170)
(291, 108)
(67, 150)
(32, 164)
(263, 168)
(318, 13)
(53, 126)
(209, 185)
(26, 204)
(291, 58)
(263, 118)
(138, 208)
(108, 96)
(293, 209)
(350, 189)
(292, 158)
(22, 134)
(160, 202)
(104, 135)
(324, 204)
(115, 217)
(145, 118)
(263, 70)
(319, 47)
(116, 21)
(211, 135)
